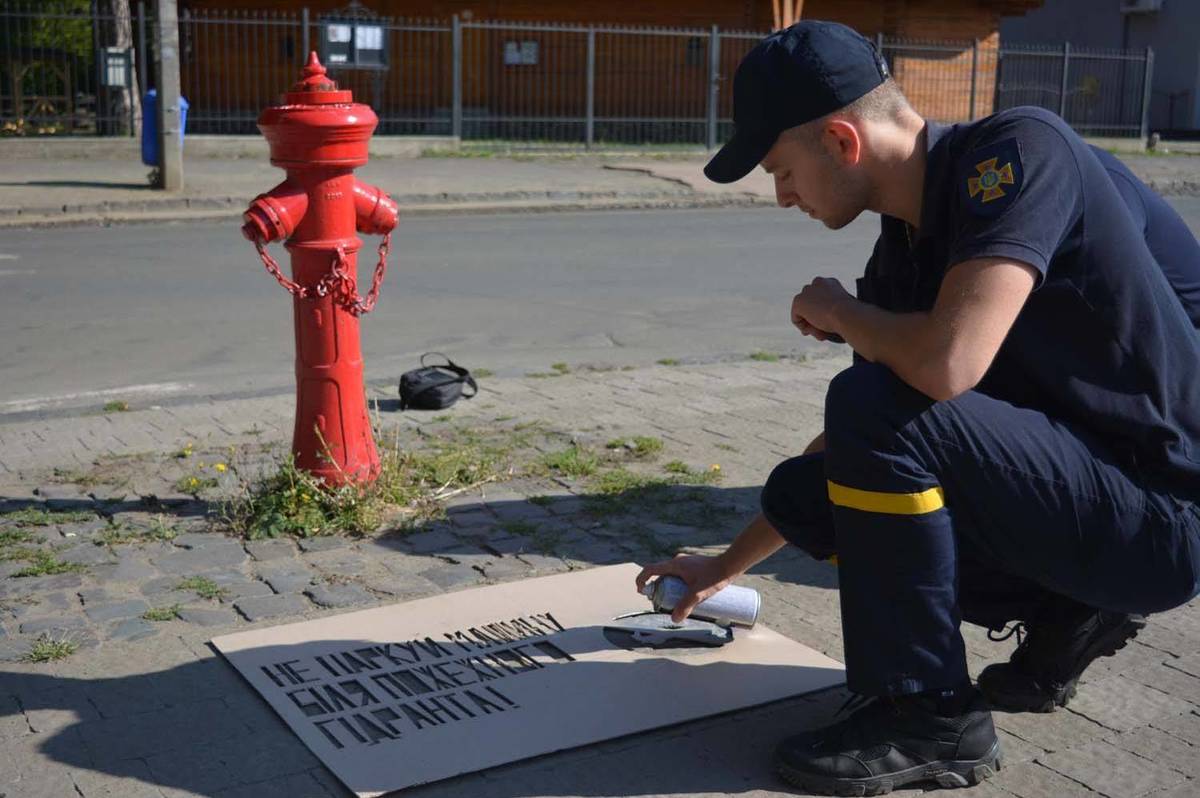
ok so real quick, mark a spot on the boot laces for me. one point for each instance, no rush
(1018, 629)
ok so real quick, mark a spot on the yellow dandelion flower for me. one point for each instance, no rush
(714, 467)
(221, 468)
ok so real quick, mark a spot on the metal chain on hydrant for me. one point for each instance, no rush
(339, 282)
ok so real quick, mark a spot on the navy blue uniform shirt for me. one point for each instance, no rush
(1170, 240)
(1104, 341)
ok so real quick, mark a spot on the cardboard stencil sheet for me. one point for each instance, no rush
(396, 696)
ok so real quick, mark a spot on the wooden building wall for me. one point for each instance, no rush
(637, 76)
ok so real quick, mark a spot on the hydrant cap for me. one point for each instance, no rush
(316, 87)
(318, 123)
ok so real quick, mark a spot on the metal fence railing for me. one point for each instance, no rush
(67, 69)
(61, 72)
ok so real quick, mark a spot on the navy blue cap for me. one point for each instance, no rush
(791, 77)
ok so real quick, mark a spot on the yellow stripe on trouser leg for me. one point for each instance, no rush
(874, 501)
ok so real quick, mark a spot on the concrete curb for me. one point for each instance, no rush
(228, 208)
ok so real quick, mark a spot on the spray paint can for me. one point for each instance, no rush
(732, 605)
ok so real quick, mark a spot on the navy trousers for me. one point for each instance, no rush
(971, 509)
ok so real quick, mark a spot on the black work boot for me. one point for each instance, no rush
(892, 742)
(1060, 643)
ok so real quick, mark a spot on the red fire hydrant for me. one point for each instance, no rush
(319, 135)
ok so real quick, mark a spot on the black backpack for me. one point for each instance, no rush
(435, 387)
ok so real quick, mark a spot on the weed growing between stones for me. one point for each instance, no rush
(203, 587)
(574, 461)
(40, 563)
(31, 516)
(162, 613)
(764, 357)
(412, 484)
(48, 649)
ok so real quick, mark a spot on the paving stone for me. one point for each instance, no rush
(1161, 747)
(45, 584)
(87, 554)
(1122, 704)
(339, 595)
(337, 563)
(467, 555)
(131, 779)
(1017, 751)
(1168, 640)
(1189, 665)
(296, 785)
(520, 509)
(513, 544)
(286, 578)
(12, 719)
(1185, 727)
(14, 649)
(240, 588)
(597, 553)
(267, 550)
(52, 624)
(506, 569)
(1170, 681)
(432, 541)
(1050, 731)
(165, 586)
(323, 543)
(44, 603)
(1033, 780)
(207, 558)
(473, 519)
(544, 563)
(266, 607)
(448, 577)
(200, 540)
(207, 616)
(94, 595)
(116, 610)
(132, 629)
(84, 530)
(129, 567)
(1111, 771)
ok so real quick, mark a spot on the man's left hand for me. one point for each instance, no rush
(814, 308)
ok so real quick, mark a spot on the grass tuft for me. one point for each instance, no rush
(48, 649)
(668, 361)
(764, 357)
(31, 516)
(116, 406)
(42, 563)
(162, 613)
(574, 461)
(203, 587)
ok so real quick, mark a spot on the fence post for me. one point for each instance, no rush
(1146, 88)
(456, 91)
(974, 76)
(590, 128)
(1062, 92)
(714, 85)
(170, 153)
(304, 22)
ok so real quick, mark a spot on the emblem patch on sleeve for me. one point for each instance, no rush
(991, 177)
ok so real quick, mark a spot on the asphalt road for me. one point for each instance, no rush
(155, 313)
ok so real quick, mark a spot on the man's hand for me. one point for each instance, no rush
(814, 307)
(704, 577)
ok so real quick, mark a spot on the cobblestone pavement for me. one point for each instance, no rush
(146, 708)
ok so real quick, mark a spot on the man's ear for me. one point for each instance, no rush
(842, 141)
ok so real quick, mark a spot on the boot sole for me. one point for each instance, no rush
(1105, 646)
(945, 773)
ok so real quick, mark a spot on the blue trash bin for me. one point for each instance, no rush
(150, 154)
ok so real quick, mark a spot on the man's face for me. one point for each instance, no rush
(810, 174)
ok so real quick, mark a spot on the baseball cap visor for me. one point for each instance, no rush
(739, 156)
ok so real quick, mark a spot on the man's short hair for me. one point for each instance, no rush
(882, 103)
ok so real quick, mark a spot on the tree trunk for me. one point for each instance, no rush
(119, 102)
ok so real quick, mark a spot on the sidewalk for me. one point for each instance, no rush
(145, 708)
(44, 192)
(102, 191)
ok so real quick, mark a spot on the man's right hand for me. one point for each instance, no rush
(703, 575)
